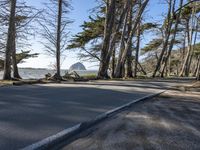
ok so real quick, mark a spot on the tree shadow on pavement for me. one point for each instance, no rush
(31, 113)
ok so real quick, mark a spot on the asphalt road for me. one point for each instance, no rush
(167, 122)
(33, 112)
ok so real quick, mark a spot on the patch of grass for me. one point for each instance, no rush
(6, 82)
(21, 82)
(90, 76)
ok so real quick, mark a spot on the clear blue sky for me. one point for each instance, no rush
(80, 14)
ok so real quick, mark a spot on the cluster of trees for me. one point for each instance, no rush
(113, 36)
(18, 22)
(15, 29)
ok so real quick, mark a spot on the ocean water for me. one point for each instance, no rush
(27, 73)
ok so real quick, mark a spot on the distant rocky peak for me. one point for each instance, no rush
(77, 66)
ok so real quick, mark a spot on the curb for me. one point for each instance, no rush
(68, 133)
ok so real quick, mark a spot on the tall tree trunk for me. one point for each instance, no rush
(109, 23)
(188, 59)
(14, 61)
(193, 22)
(121, 61)
(184, 67)
(113, 62)
(169, 67)
(58, 40)
(10, 38)
(183, 49)
(129, 72)
(119, 67)
(197, 65)
(198, 69)
(129, 67)
(183, 53)
(173, 40)
(193, 45)
(114, 36)
(137, 51)
(167, 36)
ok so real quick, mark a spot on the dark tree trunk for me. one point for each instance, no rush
(58, 40)
(197, 65)
(198, 69)
(129, 68)
(119, 66)
(193, 46)
(113, 37)
(109, 22)
(129, 72)
(122, 59)
(9, 43)
(137, 51)
(167, 36)
(172, 41)
(14, 61)
(113, 62)
(184, 68)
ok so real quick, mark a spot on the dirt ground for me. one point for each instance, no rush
(168, 122)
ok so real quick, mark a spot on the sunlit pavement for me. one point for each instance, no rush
(31, 113)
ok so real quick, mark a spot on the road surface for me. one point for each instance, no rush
(31, 113)
(167, 122)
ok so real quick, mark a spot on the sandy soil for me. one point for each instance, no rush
(168, 122)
